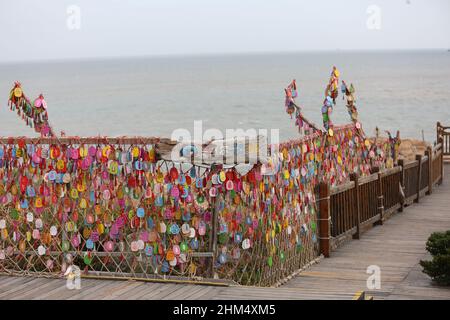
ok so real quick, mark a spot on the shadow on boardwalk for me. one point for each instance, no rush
(396, 247)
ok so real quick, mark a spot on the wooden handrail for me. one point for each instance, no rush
(388, 172)
(367, 179)
(437, 154)
(437, 147)
(410, 164)
(342, 188)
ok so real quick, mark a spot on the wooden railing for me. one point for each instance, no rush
(390, 186)
(437, 167)
(443, 137)
(358, 205)
(343, 207)
(410, 178)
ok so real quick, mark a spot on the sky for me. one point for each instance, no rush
(69, 29)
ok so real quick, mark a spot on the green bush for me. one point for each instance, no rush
(438, 268)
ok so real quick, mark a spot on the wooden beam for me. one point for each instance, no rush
(441, 141)
(357, 214)
(419, 177)
(324, 219)
(401, 164)
(429, 154)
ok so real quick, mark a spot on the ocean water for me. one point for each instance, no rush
(406, 90)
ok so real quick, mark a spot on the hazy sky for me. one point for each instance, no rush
(35, 30)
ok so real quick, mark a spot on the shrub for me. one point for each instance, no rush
(438, 268)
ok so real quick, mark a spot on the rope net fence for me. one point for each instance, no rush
(119, 211)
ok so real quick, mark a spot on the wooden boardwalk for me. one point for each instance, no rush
(396, 247)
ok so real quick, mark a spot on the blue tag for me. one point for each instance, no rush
(140, 212)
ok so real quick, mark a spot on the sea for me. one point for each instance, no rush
(407, 91)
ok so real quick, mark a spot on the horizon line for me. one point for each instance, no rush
(213, 54)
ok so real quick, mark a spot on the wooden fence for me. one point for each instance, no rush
(347, 210)
(443, 137)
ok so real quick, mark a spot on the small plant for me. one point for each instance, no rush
(438, 268)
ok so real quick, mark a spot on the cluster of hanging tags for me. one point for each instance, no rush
(34, 114)
(331, 94)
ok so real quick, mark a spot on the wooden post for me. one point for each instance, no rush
(419, 173)
(213, 239)
(357, 217)
(324, 219)
(429, 153)
(379, 194)
(441, 141)
(401, 163)
(438, 126)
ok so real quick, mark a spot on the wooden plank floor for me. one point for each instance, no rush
(396, 247)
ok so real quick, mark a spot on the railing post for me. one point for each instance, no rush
(419, 173)
(213, 239)
(438, 126)
(380, 197)
(401, 163)
(429, 153)
(324, 219)
(357, 217)
(441, 141)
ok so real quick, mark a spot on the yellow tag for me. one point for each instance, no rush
(60, 164)
(285, 154)
(86, 233)
(113, 168)
(81, 187)
(38, 203)
(337, 73)
(83, 204)
(83, 152)
(106, 150)
(74, 194)
(152, 155)
(135, 152)
(70, 226)
(17, 92)
(100, 228)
